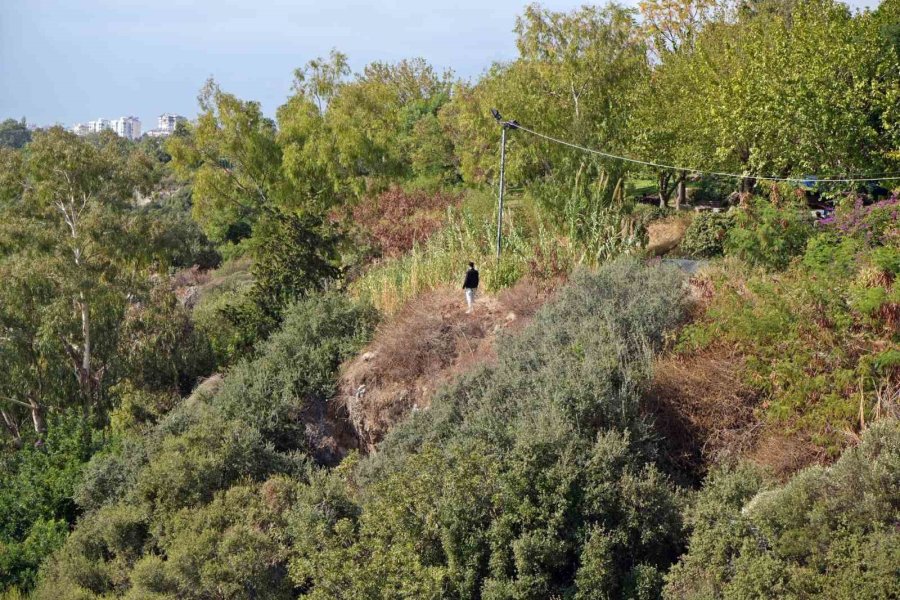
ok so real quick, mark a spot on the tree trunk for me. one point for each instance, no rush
(681, 196)
(12, 427)
(37, 417)
(664, 192)
(747, 185)
(85, 371)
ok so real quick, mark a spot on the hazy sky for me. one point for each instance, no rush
(76, 60)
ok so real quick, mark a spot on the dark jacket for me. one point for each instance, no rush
(471, 282)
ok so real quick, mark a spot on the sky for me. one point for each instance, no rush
(67, 61)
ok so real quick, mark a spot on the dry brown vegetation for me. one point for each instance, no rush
(429, 342)
(704, 409)
(665, 234)
(709, 415)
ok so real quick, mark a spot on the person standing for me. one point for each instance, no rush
(470, 285)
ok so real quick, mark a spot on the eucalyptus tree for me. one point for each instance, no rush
(69, 254)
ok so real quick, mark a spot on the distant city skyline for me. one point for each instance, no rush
(74, 61)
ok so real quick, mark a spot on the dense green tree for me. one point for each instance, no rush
(756, 93)
(574, 79)
(71, 253)
(233, 160)
(360, 133)
(14, 134)
(36, 488)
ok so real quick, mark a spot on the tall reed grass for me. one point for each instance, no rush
(535, 243)
(443, 260)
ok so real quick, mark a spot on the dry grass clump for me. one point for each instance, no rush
(709, 415)
(704, 409)
(665, 234)
(784, 454)
(430, 341)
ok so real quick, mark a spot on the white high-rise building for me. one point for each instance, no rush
(99, 125)
(167, 122)
(127, 127)
(81, 129)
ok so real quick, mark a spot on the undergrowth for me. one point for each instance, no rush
(532, 245)
(819, 340)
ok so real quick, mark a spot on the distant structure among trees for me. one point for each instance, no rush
(130, 127)
(166, 124)
(126, 127)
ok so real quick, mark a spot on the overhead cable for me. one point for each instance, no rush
(804, 180)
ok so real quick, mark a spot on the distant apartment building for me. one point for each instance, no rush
(99, 125)
(166, 124)
(130, 127)
(92, 127)
(127, 127)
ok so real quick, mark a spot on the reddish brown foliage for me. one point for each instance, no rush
(397, 220)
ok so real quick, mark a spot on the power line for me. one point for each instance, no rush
(516, 125)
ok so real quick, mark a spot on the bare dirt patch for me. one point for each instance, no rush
(427, 344)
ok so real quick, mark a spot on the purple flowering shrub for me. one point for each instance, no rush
(878, 224)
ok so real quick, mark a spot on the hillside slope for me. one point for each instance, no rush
(430, 342)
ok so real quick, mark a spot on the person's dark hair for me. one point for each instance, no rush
(471, 264)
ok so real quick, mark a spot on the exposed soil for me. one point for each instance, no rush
(428, 343)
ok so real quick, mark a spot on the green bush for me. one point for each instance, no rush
(228, 318)
(176, 509)
(767, 235)
(705, 236)
(809, 335)
(209, 456)
(36, 487)
(294, 369)
(231, 548)
(832, 253)
(163, 350)
(525, 479)
(828, 533)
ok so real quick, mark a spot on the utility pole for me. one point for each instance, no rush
(500, 197)
(504, 125)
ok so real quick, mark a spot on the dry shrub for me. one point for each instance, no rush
(424, 337)
(708, 415)
(398, 220)
(193, 276)
(525, 298)
(703, 408)
(783, 454)
(430, 341)
(665, 234)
